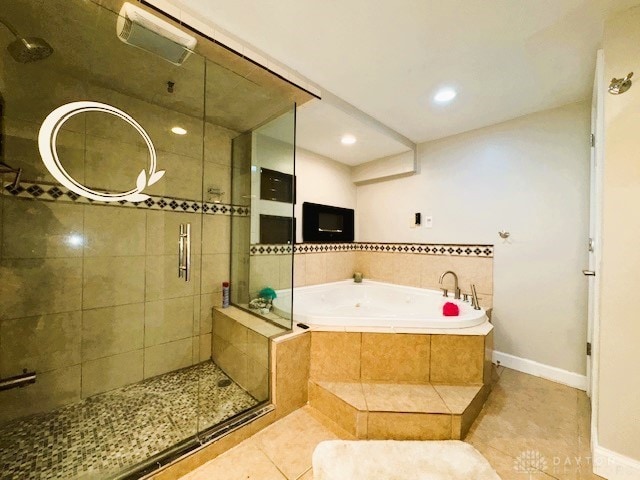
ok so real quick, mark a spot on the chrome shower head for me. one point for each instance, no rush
(26, 49)
(31, 49)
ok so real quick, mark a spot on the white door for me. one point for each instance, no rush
(597, 149)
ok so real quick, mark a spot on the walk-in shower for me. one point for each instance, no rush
(116, 241)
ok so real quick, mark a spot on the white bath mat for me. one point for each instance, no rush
(400, 460)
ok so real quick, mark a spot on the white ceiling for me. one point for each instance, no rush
(320, 127)
(506, 58)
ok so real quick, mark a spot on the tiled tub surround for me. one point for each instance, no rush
(414, 265)
(118, 429)
(400, 386)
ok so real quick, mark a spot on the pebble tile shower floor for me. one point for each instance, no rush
(106, 433)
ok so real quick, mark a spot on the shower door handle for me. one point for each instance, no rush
(184, 252)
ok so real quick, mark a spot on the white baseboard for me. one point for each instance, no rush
(531, 367)
(614, 466)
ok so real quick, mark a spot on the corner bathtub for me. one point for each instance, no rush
(371, 304)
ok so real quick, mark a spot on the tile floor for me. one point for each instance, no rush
(530, 428)
(103, 434)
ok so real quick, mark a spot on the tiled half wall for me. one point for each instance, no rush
(415, 265)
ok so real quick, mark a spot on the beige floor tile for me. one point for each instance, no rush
(522, 414)
(308, 475)
(505, 465)
(246, 461)
(290, 442)
(530, 414)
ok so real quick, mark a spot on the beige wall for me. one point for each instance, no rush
(529, 176)
(322, 180)
(619, 389)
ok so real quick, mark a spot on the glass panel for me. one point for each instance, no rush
(262, 259)
(239, 348)
(98, 303)
(90, 298)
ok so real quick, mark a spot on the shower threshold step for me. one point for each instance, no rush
(374, 410)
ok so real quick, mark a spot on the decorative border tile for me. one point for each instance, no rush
(52, 192)
(460, 250)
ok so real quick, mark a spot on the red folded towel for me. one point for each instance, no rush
(450, 310)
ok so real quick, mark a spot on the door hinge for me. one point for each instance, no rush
(593, 140)
(588, 348)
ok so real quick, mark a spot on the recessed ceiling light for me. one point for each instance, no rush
(444, 95)
(348, 140)
(179, 131)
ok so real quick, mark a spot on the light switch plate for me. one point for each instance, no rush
(427, 222)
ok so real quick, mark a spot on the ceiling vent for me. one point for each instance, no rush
(144, 30)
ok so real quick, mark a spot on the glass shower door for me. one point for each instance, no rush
(93, 299)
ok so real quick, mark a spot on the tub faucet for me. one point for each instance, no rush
(456, 290)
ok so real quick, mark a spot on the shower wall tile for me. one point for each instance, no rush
(207, 302)
(109, 281)
(32, 287)
(258, 348)
(264, 271)
(52, 389)
(21, 146)
(41, 229)
(195, 350)
(163, 229)
(105, 165)
(112, 330)
(205, 344)
(110, 232)
(42, 343)
(182, 178)
(217, 176)
(257, 381)
(231, 360)
(167, 357)
(215, 270)
(107, 373)
(217, 144)
(285, 271)
(162, 280)
(168, 320)
(155, 119)
(216, 234)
